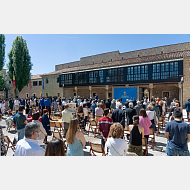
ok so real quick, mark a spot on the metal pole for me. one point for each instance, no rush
(182, 95)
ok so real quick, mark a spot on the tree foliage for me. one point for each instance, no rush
(19, 62)
(2, 51)
(2, 61)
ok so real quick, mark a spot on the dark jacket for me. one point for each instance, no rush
(160, 108)
(187, 105)
(130, 112)
(118, 115)
(171, 110)
(157, 110)
(113, 105)
(137, 108)
(45, 122)
(107, 104)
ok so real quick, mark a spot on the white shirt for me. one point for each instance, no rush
(81, 103)
(85, 110)
(150, 114)
(28, 147)
(64, 103)
(2, 106)
(16, 103)
(120, 145)
(31, 103)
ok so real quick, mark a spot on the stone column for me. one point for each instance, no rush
(76, 90)
(151, 90)
(90, 88)
(107, 87)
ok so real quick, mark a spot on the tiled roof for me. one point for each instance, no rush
(143, 59)
(33, 77)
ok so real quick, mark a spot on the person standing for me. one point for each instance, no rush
(20, 122)
(134, 102)
(29, 145)
(93, 106)
(130, 112)
(60, 103)
(47, 103)
(104, 126)
(42, 105)
(55, 105)
(136, 135)
(66, 118)
(118, 115)
(11, 103)
(46, 123)
(156, 109)
(113, 104)
(16, 104)
(187, 106)
(138, 107)
(98, 113)
(75, 139)
(108, 103)
(178, 134)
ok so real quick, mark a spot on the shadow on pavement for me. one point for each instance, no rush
(12, 132)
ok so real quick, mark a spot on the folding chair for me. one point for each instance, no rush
(126, 131)
(98, 148)
(58, 135)
(144, 146)
(9, 144)
(93, 126)
(152, 137)
(58, 127)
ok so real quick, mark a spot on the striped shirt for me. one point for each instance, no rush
(104, 125)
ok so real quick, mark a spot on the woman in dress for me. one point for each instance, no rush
(55, 148)
(75, 139)
(46, 123)
(136, 135)
(152, 116)
(116, 145)
(81, 118)
(144, 122)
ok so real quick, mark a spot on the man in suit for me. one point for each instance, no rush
(160, 108)
(156, 109)
(118, 115)
(134, 102)
(187, 105)
(108, 103)
(130, 112)
(138, 107)
(126, 103)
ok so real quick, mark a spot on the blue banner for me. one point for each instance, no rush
(125, 93)
(42, 82)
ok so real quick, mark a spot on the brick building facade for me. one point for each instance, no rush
(165, 56)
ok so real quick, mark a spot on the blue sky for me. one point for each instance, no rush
(48, 50)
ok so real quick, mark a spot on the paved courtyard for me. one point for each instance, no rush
(159, 149)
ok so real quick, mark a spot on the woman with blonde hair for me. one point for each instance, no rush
(115, 144)
(75, 139)
(152, 116)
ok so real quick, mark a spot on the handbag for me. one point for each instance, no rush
(115, 150)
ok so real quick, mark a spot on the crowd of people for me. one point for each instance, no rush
(112, 118)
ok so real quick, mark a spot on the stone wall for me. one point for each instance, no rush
(37, 90)
(160, 51)
(173, 90)
(186, 84)
(52, 87)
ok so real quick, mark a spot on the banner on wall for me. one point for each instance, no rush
(125, 93)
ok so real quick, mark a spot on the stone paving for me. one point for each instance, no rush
(159, 149)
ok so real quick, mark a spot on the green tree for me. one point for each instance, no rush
(2, 61)
(2, 51)
(19, 62)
